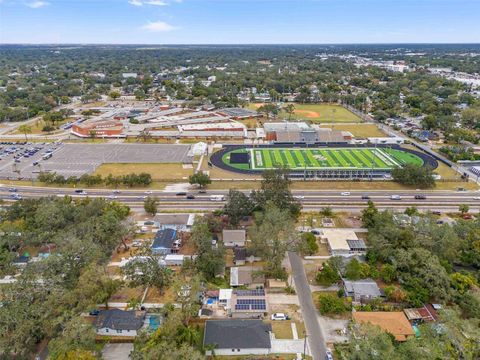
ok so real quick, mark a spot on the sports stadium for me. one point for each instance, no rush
(345, 161)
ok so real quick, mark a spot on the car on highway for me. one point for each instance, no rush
(299, 197)
(395, 197)
(181, 193)
(279, 317)
(476, 198)
(420, 197)
(112, 197)
(202, 191)
(149, 192)
(437, 213)
(190, 197)
(116, 191)
(345, 193)
(365, 197)
(12, 189)
(16, 196)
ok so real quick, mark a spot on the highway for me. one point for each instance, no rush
(310, 199)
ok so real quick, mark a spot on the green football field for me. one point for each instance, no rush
(326, 158)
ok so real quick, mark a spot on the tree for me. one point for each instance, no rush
(331, 304)
(210, 260)
(463, 208)
(290, 110)
(147, 271)
(25, 129)
(275, 188)
(411, 211)
(93, 134)
(199, 178)
(272, 235)
(186, 291)
(387, 273)
(150, 205)
(356, 270)
(76, 335)
(238, 206)
(328, 275)
(114, 95)
(417, 175)
(369, 214)
(308, 244)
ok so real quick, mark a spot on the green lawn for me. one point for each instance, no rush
(325, 113)
(325, 158)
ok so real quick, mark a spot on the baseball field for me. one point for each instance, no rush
(323, 158)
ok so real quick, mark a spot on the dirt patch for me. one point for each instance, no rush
(308, 114)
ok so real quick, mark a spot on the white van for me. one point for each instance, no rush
(217, 198)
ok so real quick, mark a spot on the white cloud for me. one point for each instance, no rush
(152, 2)
(38, 4)
(156, 2)
(158, 26)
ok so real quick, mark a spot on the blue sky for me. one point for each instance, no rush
(239, 21)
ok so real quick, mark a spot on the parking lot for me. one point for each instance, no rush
(26, 160)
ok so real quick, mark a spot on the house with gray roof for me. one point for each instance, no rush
(362, 290)
(233, 238)
(237, 337)
(116, 322)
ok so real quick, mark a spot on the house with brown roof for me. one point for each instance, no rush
(394, 322)
(250, 276)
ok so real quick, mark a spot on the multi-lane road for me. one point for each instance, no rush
(310, 199)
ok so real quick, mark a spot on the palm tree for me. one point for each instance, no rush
(25, 129)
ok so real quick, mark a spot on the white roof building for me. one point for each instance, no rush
(343, 242)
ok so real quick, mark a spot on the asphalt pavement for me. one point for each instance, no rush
(316, 340)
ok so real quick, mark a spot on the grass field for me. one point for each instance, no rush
(319, 113)
(325, 158)
(361, 130)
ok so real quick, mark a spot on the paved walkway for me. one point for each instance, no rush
(316, 339)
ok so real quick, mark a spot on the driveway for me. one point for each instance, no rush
(316, 339)
(277, 299)
(288, 347)
(117, 351)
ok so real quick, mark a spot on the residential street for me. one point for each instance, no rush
(316, 340)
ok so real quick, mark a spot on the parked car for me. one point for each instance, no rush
(328, 355)
(437, 213)
(279, 316)
(94, 312)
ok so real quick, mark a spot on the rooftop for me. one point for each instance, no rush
(233, 235)
(363, 288)
(164, 239)
(237, 334)
(394, 322)
(120, 320)
(338, 238)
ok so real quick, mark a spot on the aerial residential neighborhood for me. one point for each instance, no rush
(231, 180)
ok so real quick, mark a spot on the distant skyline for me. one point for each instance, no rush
(239, 21)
